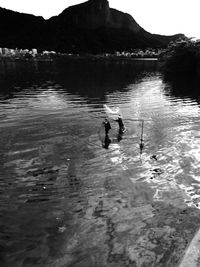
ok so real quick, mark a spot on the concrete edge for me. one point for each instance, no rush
(192, 252)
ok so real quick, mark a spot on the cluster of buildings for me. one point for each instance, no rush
(139, 53)
(32, 53)
(23, 53)
(9, 52)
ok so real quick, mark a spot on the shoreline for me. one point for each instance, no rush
(78, 57)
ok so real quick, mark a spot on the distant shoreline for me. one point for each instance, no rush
(77, 57)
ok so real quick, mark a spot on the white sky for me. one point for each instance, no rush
(156, 16)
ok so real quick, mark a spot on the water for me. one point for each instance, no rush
(65, 200)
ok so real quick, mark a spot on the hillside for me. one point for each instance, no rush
(88, 27)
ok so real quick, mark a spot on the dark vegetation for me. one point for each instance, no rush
(90, 27)
(182, 57)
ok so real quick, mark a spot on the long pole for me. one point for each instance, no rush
(141, 140)
(142, 131)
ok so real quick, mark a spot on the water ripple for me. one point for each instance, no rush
(55, 172)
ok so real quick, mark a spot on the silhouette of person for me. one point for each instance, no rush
(107, 126)
(121, 125)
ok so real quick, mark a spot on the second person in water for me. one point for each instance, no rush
(122, 128)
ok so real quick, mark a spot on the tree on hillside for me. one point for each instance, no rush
(182, 56)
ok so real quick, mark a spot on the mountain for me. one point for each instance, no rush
(95, 14)
(88, 27)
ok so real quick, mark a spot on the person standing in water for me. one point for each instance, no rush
(122, 128)
(107, 126)
(106, 142)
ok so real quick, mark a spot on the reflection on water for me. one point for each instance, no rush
(60, 189)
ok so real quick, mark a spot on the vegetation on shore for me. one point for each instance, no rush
(182, 57)
(9, 53)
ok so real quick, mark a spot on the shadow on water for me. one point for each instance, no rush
(183, 87)
(85, 78)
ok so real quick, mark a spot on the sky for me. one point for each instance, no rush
(164, 17)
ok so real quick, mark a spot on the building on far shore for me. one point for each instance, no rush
(10, 52)
(5, 51)
(34, 52)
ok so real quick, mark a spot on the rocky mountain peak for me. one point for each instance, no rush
(91, 26)
(100, 3)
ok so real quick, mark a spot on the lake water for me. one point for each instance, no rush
(65, 200)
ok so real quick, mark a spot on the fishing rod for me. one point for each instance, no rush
(141, 145)
(142, 132)
(141, 137)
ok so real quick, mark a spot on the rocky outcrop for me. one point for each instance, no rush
(92, 14)
(122, 20)
(96, 14)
